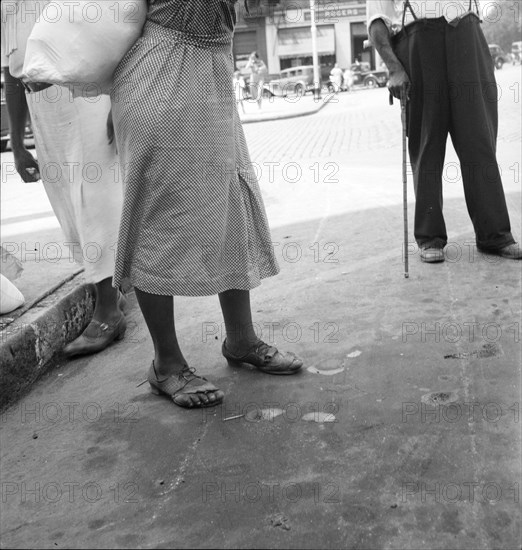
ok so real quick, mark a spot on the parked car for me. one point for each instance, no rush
(295, 81)
(5, 121)
(498, 55)
(516, 52)
(363, 75)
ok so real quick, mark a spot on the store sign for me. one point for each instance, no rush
(332, 13)
(294, 41)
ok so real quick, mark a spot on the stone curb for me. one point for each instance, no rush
(282, 116)
(30, 351)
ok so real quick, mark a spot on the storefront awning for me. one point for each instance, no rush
(295, 42)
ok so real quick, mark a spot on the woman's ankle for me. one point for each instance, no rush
(168, 367)
(240, 347)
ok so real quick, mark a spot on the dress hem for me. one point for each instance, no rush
(231, 282)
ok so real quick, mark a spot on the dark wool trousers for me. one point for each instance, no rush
(453, 91)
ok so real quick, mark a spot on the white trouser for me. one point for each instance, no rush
(80, 173)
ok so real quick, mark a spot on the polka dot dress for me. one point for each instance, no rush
(193, 220)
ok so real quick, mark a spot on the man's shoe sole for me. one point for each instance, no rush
(435, 256)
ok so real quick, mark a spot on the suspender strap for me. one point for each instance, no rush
(407, 5)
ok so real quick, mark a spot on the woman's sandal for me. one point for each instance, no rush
(180, 387)
(266, 358)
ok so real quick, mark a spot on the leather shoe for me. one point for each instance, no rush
(266, 358)
(432, 255)
(95, 337)
(511, 251)
(186, 388)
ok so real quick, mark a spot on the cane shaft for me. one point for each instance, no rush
(404, 184)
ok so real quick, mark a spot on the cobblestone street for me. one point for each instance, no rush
(362, 121)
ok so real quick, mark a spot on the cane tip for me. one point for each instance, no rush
(406, 275)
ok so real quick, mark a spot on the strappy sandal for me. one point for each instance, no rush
(266, 358)
(179, 387)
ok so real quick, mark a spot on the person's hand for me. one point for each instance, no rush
(26, 165)
(399, 83)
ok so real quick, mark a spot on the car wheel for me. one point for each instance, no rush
(499, 63)
(371, 82)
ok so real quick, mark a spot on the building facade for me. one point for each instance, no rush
(280, 32)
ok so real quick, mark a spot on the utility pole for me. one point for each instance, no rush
(315, 57)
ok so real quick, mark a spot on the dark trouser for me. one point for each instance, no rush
(453, 91)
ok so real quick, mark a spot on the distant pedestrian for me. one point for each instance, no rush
(258, 75)
(348, 80)
(239, 89)
(336, 78)
(439, 62)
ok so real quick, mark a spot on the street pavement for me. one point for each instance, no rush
(403, 429)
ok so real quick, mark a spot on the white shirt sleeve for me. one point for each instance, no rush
(8, 27)
(385, 10)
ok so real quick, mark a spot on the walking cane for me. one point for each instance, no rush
(404, 101)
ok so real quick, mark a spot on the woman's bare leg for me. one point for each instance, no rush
(235, 305)
(158, 312)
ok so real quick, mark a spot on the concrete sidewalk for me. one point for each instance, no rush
(402, 431)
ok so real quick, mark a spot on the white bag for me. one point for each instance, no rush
(10, 266)
(79, 44)
(10, 297)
